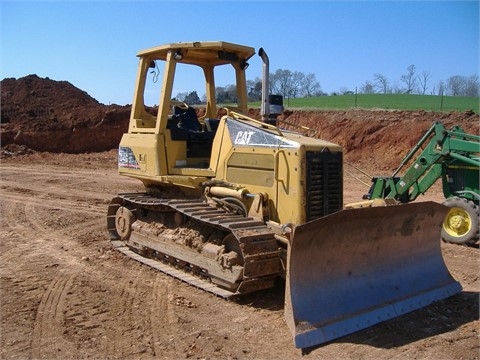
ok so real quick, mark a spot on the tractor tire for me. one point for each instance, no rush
(461, 225)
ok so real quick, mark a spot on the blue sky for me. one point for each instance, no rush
(93, 44)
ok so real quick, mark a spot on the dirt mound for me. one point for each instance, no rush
(378, 137)
(55, 116)
(49, 115)
(45, 104)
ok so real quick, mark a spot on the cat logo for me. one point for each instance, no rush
(243, 137)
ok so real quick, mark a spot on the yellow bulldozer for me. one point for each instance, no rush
(231, 203)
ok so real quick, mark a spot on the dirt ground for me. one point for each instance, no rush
(66, 294)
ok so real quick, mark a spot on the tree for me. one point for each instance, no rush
(280, 83)
(456, 85)
(221, 95)
(310, 85)
(192, 98)
(289, 84)
(395, 88)
(295, 85)
(424, 81)
(381, 83)
(254, 89)
(472, 86)
(231, 93)
(181, 96)
(409, 79)
(367, 88)
(459, 85)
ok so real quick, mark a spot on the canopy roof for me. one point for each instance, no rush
(202, 53)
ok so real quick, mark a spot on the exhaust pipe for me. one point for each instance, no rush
(272, 105)
(265, 110)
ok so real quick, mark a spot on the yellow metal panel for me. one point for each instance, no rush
(176, 152)
(191, 171)
(144, 125)
(250, 176)
(249, 160)
(290, 186)
(144, 155)
(253, 169)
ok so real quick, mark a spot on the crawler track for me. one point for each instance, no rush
(253, 242)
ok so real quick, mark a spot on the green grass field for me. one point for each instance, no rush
(386, 101)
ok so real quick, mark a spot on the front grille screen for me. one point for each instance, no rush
(324, 183)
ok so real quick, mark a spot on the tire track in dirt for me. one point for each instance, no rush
(123, 336)
(35, 229)
(89, 312)
(158, 320)
(25, 287)
(146, 320)
(165, 324)
(57, 204)
(88, 317)
(43, 226)
(52, 183)
(47, 337)
(49, 225)
(29, 280)
(57, 176)
(142, 327)
(42, 192)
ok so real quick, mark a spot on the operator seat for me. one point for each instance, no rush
(187, 118)
(189, 128)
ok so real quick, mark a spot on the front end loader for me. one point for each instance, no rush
(231, 203)
(451, 155)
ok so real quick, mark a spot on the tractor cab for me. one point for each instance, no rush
(172, 138)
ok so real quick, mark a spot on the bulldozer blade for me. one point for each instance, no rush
(358, 267)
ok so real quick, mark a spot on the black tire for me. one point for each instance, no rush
(461, 225)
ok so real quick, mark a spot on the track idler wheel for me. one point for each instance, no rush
(124, 219)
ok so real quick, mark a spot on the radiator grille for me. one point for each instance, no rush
(324, 183)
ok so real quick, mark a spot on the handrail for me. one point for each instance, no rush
(262, 124)
(312, 132)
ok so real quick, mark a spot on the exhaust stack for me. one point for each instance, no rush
(272, 105)
(265, 110)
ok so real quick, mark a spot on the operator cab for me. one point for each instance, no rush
(169, 141)
(195, 64)
(187, 65)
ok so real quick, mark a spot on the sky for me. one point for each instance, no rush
(93, 44)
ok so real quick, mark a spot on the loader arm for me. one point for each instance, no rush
(441, 147)
(453, 156)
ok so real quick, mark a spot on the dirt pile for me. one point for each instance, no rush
(378, 137)
(44, 104)
(55, 116)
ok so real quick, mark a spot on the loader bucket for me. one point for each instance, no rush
(358, 267)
